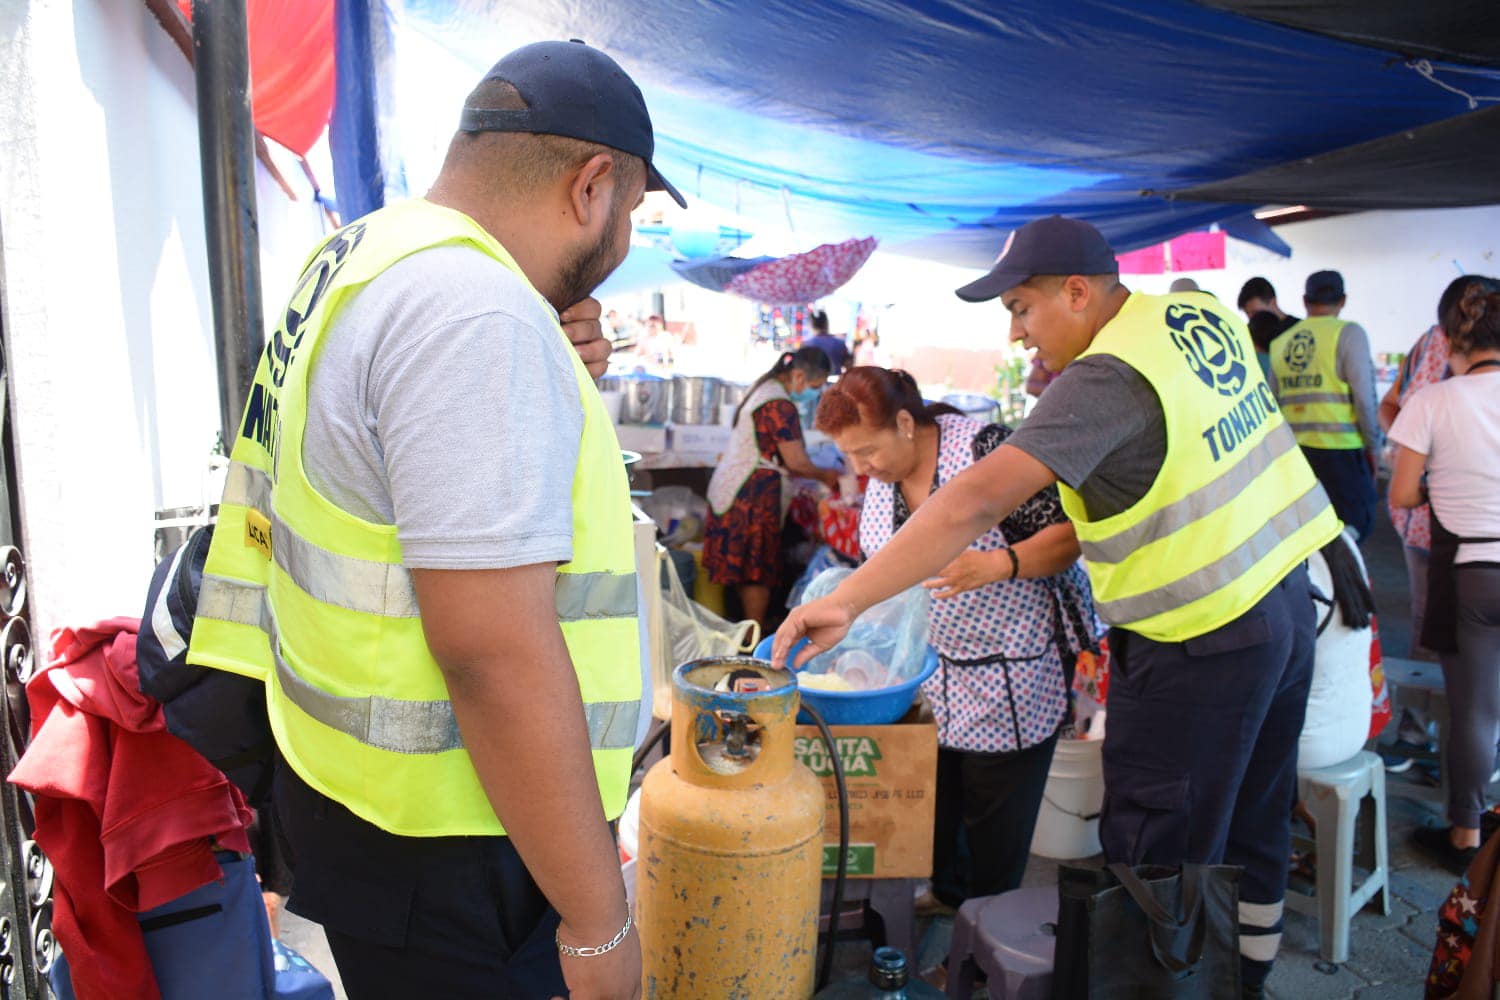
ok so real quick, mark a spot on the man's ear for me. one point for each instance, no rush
(1078, 291)
(592, 188)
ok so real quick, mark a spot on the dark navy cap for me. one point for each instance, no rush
(1053, 245)
(576, 91)
(1324, 287)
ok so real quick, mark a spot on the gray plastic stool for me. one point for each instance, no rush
(1336, 797)
(1011, 937)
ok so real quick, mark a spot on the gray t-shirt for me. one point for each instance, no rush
(1100, 428)
(443, 401)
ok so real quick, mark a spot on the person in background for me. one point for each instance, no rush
(1450, 433)
(834, 347)
(658, 343)
(1009, 617)
(1325, 382)
(1265, 327)
(445, 613)
(1339, 701)
(1425, 364)
(867, 348)
(748, 492)
(1185, 285)
(1258, 295)
(1210, 669)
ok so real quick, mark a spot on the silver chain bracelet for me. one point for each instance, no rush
(603, 949)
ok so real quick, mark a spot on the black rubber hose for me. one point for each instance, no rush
(659, 728)
(843, 864)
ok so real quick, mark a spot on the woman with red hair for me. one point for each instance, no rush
(1009, 617)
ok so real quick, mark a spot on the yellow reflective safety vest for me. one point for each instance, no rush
(316, 602)
(1235, 506)
(1316, 402)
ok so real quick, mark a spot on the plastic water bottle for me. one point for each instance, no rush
(887, 981)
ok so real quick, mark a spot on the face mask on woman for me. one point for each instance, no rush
(806, 396)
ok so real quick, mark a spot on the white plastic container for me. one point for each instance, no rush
(1067, 826)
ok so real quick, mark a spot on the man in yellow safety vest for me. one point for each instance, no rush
(425, 551)
(1325, 379)
(1195, 510)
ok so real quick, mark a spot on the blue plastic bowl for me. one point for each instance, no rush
(880, 707)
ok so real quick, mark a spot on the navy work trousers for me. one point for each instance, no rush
(1346, 477)
(1200, 752)
(447, 918)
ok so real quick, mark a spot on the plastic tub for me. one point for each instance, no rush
(1067, 825)
(880, 707)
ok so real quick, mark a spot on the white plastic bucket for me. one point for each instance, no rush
(1067, 826)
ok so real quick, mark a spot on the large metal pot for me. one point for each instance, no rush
(695, 399)
(646, 398)
(974, 406)
(733, 392)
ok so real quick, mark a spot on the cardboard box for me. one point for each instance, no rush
(891, 774)
(700, 438)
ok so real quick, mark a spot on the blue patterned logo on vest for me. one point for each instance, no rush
(1299, 350)
(1209, 343)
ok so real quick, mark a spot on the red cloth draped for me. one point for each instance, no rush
(291, 68)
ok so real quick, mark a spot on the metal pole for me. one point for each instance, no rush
(226, 142)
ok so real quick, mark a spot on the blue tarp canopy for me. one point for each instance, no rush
(940, 126)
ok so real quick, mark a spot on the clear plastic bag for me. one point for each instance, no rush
(887, 644)
(679, 513)
(693, 632)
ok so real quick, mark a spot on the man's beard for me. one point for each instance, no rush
(588, 268)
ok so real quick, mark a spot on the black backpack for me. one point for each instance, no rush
(220, 714)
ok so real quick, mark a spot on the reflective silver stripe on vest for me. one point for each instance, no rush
(591, 596)
(414, 727)
(1198, 504)
(612, 724)
(1308, 398)
(1311, 427)
(225, 599)
(397, 725)
(247, 486)
(1220, 573)
(385, 589)
(363, 585)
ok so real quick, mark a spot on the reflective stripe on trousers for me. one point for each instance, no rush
(397, 725)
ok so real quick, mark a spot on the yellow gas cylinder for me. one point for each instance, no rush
(731, 842)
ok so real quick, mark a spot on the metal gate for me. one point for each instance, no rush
(27, 947)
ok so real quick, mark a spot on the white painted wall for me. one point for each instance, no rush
(106, 293)
(1395, 265)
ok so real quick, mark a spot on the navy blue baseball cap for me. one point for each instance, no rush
(573, 90)
(1053, 245)
(1324, 287)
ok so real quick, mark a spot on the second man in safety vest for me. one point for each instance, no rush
(1195, 510)
(425, 551)
(1325, 379)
